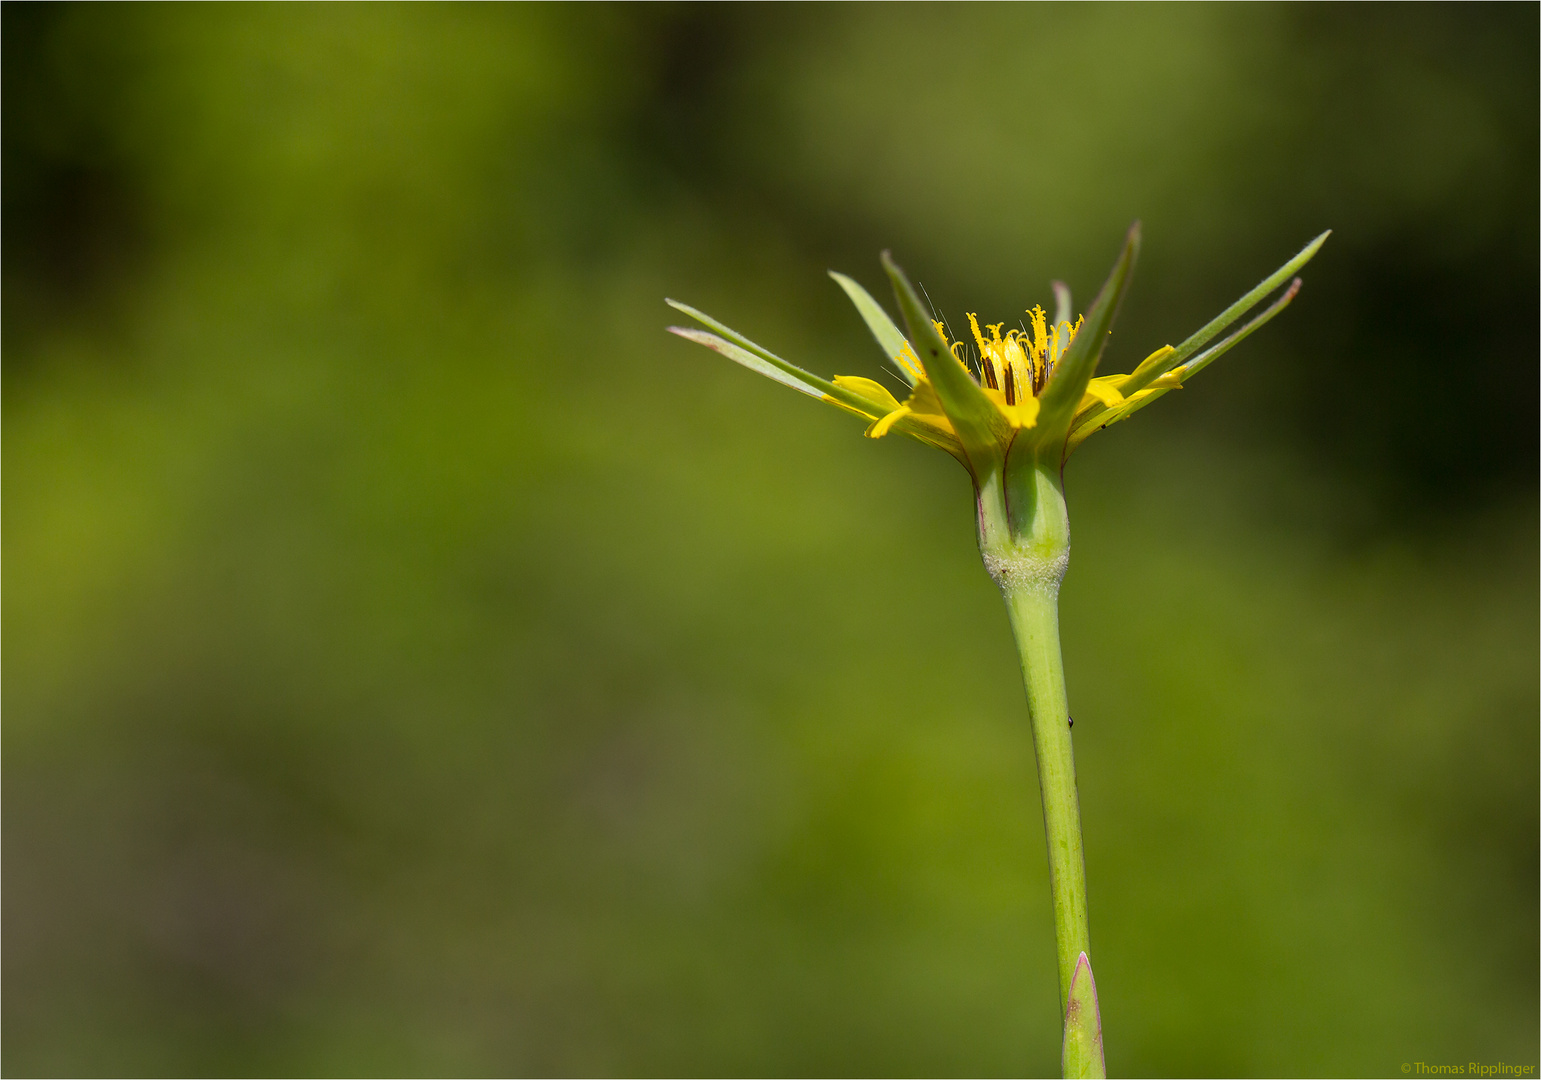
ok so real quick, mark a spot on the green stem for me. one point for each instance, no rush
(1035, 621)
(1024, 537)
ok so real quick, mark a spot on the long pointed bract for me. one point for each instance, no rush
(883, 328)
(979, 424)
(1214, 352)
(1209, 330)
(1062, 396)
(748, 359)
(1098, 421)
(824, 387)
(1064, 310)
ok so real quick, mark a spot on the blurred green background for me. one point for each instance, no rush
(417, 662)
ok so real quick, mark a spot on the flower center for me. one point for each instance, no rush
(1020, 363)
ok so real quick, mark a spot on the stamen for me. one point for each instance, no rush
(1039, 347)
(1011, 388)
(1016, 359)
(987, 376)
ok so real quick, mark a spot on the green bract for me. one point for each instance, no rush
(1082, 1051)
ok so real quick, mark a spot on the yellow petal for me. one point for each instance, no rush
(1103, 389)
(923, 408)
(1153, 360)
(924, 401)
(1024, 414)
(874, 392)
(880, 428)
(852, 409)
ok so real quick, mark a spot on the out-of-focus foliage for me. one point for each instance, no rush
(418, 662)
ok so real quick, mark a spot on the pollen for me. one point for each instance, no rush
(1021, 361)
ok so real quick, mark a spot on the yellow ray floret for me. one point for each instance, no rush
(923, 409)
(1013, 370)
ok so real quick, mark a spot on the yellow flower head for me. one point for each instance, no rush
(1030, 393)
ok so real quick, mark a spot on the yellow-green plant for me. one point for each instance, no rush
(1011, 412)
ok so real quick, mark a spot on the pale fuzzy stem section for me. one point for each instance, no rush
(1016, 571)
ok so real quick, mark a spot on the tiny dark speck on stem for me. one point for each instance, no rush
(1069, 720)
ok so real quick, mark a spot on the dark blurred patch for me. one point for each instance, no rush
(75, 215)
(1420, 375)
(690, 53)
(1423, 341)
